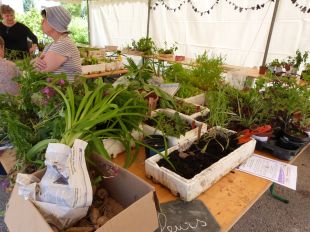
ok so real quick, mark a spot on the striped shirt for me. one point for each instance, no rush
(8, 70)
(66, 47)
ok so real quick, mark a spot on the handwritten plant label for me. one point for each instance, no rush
(178, 216)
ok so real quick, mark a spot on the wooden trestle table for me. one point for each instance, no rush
(227, 200)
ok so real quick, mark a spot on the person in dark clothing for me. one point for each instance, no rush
(15, 34)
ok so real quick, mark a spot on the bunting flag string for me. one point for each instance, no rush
(254, 7)
(301, 7)
(167, 6)
(203, 12)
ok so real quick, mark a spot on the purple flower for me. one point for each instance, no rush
(49, 79)
(61, 82)
(49, 92)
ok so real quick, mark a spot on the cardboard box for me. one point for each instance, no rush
(137, 196)
(7, 161)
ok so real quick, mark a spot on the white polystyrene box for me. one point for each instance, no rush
(95, 68)
(172, 141)
(199, 99)
(189, 189)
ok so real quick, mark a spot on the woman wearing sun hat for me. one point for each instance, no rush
(62, 55)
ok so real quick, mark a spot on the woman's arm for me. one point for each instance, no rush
(30, 35)
(50, 62)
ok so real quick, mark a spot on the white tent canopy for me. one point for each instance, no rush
(239, 36)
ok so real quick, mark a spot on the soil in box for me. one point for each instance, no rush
(201, 154)
(203, 118)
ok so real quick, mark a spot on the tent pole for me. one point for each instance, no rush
(148, 18)
(88, 22)
(270, 31)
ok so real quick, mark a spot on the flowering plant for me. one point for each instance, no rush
(33, 114)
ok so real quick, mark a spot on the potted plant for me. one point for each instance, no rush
(33, 114)
(275, 66)
(176, 73)
(297, 60)
(207, 72)
(262, 69)
(167, 52)
(305, 75)
(285, 97)
(144, 46)
(249, 109)
(198, 163)
(87, 112)
(175, 126)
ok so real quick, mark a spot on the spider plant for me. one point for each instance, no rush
(220, 112)
(213, 134)
(97, 107)
(248, 106)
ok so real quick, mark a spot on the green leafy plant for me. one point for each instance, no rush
(206, 73)
(298, 59)
(97, 107)
(249, 107)
(284, 97)
(306, 74)
(213, 135)
(145, 45)
(185, 108)
(90, 61)
(176, 73)
(140, 74)
(168, 50)
(275, 63)
(220, 112)
(33, 18)
(170, 125)
(32, 115)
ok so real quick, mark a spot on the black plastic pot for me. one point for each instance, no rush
(155, 141)
(280, 145)
(302, 139)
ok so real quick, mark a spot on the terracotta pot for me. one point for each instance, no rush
(262, 70)
(152, 99)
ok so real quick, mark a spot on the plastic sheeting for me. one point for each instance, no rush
(239, 37)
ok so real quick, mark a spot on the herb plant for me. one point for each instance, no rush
(168, 50)
(206, 73)
(145, 45)
(170, 125)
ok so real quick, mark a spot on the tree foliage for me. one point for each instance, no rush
(77, 27)
(28, 5)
